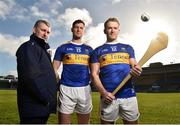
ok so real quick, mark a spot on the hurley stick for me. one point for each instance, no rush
(156, 45)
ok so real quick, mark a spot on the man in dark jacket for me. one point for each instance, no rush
(36, 92)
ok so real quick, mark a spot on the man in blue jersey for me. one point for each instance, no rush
(110, 64)
(75, 91)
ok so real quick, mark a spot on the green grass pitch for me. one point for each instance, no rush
(155, 108)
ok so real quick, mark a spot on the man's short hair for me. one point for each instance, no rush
(77, 21)
(111, 19)
(41, 21)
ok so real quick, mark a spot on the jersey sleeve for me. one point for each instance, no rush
(59, 54)
(90, 51)
(94, 56)
(131, 52)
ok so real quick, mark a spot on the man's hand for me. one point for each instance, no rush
(136, 70)
(108, 97)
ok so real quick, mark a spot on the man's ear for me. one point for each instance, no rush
(105, 31)
(34, 30)
(71, 29)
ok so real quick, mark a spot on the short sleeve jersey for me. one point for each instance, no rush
(114, 67)
(75, 59)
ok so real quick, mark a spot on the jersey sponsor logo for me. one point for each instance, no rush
(76, 59)
(86, 51)
(123, 49)
(114, 58)
(71, 49)
(104, 50)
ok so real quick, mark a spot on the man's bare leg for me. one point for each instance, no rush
(130, 122)
(106, 122)
(64, 118)
(83, 118)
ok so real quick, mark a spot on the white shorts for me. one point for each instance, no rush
(126, 108)
(75, 99)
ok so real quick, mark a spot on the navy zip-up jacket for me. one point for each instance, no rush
(36, 91)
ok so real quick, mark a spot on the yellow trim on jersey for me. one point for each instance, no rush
(114, 58)
(76, 59)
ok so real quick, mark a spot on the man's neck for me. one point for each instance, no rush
(111, 40)
(76, 40)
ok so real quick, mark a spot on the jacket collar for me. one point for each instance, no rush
(39, 41)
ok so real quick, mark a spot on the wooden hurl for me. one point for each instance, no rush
(156, 45)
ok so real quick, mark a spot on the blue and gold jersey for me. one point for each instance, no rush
(75, 59)
(114, 67)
